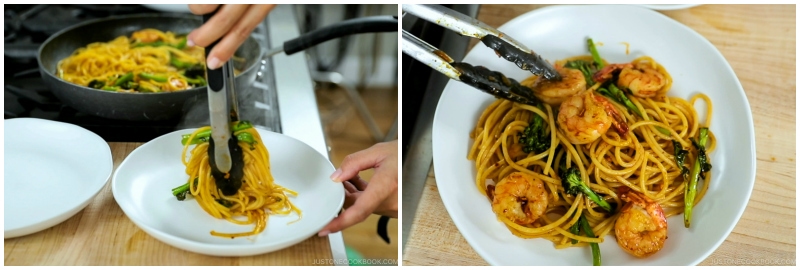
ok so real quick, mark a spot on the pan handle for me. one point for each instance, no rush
(373, 24)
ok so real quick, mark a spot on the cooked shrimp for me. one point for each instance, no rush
(520, 197)
(585, 117)
(177, 84)
(642, 80)
(555, 92)
(641, 228)
(146, 35)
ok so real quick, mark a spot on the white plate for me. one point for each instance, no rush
(143, 182)
(177, 8)
(670, 6)
(559, 32)
(52, 170)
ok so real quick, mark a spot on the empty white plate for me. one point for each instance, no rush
(52, 170)
(143, 182)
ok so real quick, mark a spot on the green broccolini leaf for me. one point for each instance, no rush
(680, 157)
(573, 184)
(535, 138)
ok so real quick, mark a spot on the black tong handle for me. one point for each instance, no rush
(373, 24)
(214, 77)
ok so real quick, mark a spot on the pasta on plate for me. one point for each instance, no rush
(605, 153)
(256, 199)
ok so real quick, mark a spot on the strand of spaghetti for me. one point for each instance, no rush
(705, 98)
(642, 180)
(186, 146)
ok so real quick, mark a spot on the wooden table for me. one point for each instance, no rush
(101, 234)
(759, 43)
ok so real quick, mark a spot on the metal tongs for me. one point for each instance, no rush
(225, 156)
(492, 82)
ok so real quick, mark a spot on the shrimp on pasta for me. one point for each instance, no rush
(520, 197)
(584, 118)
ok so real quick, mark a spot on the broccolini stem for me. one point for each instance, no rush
(575, 229)
(246, 137)
(180, 192)
(199, 81)
(596, 199)
(146, 89)
(181, 44)
(153, 77)
(595, 55)
(595, 247)
(178, 63)
(124, 79)
(697, 169)
(205, 135)
(622, 98)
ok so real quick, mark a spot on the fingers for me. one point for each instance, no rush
(217, 26)
(361, 209)
(386, 179)
(349, 187)
(367, 202)
(202, 9)
(359, 161)
(358, 183)
(237, 35)
(350, 194)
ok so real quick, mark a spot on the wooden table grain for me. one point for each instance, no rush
(759, 43)
(101, 234)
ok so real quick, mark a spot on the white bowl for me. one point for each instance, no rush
(561, 31)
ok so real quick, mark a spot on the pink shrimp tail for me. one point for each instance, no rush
(607, 72)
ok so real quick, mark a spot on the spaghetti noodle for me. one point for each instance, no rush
(259, 195)
(628, 169)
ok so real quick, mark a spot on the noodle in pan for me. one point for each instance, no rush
(148, 61)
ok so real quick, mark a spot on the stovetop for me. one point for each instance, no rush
(25, 95)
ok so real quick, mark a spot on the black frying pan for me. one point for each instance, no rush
(167, 105)
(130, 106)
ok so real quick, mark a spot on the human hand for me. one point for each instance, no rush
(231, 26)
(363, 198)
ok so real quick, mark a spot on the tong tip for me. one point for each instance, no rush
(526, 60)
